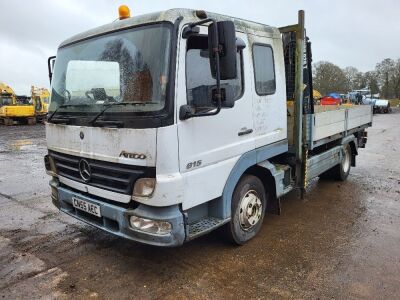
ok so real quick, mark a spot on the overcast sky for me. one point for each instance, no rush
(356, 33)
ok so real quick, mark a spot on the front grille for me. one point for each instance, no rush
(113, 177)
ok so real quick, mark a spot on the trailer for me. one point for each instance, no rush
(166, 126)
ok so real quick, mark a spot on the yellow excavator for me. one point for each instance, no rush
(11, 110)
(40, 99)
(7, 95)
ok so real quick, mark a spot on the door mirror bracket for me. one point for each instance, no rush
(50, 65)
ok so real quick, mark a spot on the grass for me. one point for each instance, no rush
(394, 102)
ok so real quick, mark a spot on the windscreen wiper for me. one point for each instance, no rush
(63, 106)
(117, 104)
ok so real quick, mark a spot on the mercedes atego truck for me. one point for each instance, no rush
(166, 126)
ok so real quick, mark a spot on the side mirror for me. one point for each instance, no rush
(226, 44)
(50, 65)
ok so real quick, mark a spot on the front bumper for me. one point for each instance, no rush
(115, 219)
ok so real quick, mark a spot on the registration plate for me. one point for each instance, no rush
(86, 206)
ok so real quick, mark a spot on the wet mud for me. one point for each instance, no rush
(341, 241)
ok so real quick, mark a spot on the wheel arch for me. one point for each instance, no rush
(268, 180)
(352, 141)
(247, 164)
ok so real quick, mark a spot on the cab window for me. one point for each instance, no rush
(264, 69)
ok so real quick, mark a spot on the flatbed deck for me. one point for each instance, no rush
(329, 123)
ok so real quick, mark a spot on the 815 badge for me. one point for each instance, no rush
(193, 164)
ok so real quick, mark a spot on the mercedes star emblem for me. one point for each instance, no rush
(84, 170)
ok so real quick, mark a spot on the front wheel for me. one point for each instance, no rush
(249, 201)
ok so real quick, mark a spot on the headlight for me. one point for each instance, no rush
(144, 187)
(150, 226)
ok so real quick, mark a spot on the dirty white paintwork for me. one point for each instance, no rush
(269, 111)
(212, 140)
(170, 186)
(207, 182)
(103, 143)
(172, 15)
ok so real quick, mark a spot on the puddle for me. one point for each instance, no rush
(21, 145)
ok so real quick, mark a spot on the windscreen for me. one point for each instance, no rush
(129, 66)
(6, 100)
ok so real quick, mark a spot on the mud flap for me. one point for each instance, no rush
(274, 206)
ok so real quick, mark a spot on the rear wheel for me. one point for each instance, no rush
(342, 170)
(345, 165)
(249, 201)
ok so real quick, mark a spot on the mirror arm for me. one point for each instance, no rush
(49, 66)
(202, 22)
(218, 74)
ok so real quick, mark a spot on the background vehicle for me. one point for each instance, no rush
(7, 95)
(166, 126)
(12, 108)
(382, 106)
(332, 99)
(40, 100)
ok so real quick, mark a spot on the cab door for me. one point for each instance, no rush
(210, 146)
(269, 99)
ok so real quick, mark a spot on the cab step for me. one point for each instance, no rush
(204, 226)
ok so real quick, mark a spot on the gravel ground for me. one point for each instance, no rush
(341, 241)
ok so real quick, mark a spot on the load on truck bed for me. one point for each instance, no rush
(198, 121)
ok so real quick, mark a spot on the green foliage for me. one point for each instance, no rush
(385, 79)
(329, 78)
(388, 72)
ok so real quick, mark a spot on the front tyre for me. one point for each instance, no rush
(249, 201)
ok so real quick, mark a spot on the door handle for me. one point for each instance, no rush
(244, 132)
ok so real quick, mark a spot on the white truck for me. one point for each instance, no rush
(166, 126)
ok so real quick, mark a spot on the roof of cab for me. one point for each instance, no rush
(171, 15)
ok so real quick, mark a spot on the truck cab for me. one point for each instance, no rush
(7, 95)
(163, 127)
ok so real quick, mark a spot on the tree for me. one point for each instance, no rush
(328, 77)
(396, 79)
(371, 80)
(360, 81)
(386, 70)
(352, 74)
